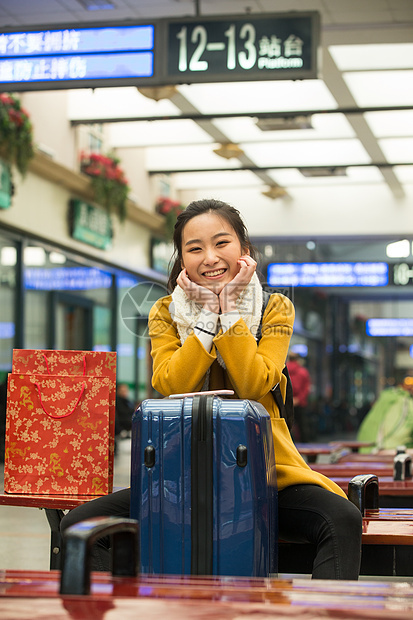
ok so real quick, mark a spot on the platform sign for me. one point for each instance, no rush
(389, 327)
(90, 225)
(165, 51)
(76, 57)
(238, 48)
(328, 274)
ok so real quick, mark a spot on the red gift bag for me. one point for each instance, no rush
(60, 422)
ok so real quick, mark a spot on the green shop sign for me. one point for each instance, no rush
(90, 225)
(5, 186)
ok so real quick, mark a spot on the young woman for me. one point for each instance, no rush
(203, 337)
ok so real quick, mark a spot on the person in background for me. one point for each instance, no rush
(301, 384)
(124, 411)
(3, 407)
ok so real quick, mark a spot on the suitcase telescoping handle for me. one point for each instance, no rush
(79, 539)
(205, 393)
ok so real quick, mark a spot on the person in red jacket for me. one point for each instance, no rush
(301, 384)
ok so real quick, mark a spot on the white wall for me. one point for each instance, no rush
(41, 208)
(51, 128)
(133, 163)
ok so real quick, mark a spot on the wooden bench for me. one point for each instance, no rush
(393, 493)
(387, 535)
(354, 468)
(312, 450)
(54, 507)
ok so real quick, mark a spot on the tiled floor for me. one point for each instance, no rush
(25, 532)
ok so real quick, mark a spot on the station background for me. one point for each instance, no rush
(366, 61)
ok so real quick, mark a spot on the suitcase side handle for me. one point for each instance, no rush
(79, 538)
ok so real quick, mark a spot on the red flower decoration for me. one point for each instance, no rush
(108, 180)
(16, 133)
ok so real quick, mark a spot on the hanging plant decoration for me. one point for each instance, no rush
(109, 183)
(16, 134)
(170, 209)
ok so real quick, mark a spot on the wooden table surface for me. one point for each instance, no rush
(35, 595)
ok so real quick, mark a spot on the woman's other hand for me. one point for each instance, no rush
(199, 294)
(231, 291)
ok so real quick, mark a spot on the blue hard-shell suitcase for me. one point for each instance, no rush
(203, 487)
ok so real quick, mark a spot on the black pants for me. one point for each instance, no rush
(306, 513)
(310, 514)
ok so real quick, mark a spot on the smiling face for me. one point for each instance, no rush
(210, 251)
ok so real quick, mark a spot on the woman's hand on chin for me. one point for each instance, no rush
(231, 291)
(199, 294)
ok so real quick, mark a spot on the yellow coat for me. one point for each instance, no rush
(251, 372)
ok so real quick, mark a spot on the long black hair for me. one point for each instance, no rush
(198, 207)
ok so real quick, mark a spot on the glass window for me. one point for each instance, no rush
(67, 304)
(8, 260)
(134, 362)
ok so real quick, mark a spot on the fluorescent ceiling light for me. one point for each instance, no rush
(8, 256)
(157, 133)
(404, 173)
(398, 249)
(380, 88)
(354, 176)
(373, 56)
(186, 157)
(215, 180)
(271, 96)
(115, 103)
(397, 149)
(57, 258)
(307, 153)
(390, 124)
(324, 126)
(97, 5)
(34, 256)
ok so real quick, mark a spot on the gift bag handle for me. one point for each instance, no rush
(48, 369)
(66, 415)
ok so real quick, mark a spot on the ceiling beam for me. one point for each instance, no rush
(380, 165)
(197, 116)
(340, 91)
(216, 134)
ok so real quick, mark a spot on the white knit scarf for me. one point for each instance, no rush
(185, 313)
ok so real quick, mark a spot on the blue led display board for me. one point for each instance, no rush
(66, 278)
(327, 274)
(389, 327)
(57, 58)
(271, 46)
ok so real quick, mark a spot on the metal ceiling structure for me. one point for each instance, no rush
(359, 112)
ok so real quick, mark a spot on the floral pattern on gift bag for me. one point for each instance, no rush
(89, 363)
(57, 435)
